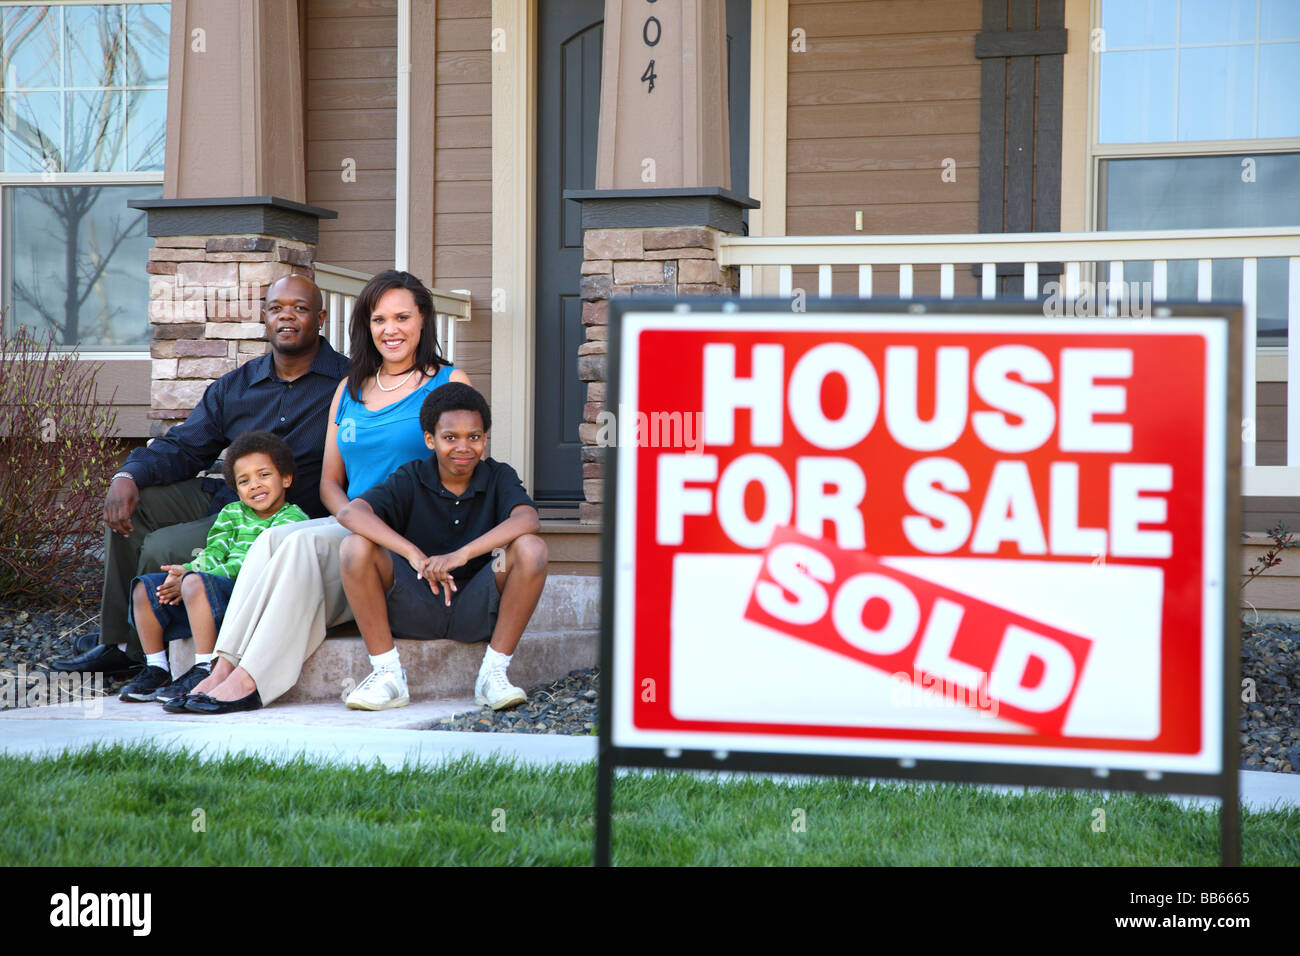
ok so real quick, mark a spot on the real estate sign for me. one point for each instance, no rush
(973, 539)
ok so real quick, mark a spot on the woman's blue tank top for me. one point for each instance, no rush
(376, 444)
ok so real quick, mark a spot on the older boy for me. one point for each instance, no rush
(420, 561)
(259, 467)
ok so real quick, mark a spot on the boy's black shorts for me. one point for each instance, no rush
(415, 612)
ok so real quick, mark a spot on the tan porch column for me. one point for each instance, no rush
(651, 226)
(232, 218)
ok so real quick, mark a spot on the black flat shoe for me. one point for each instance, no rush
(177, 704)
(203, 704)
(87, 642)
(101, 659)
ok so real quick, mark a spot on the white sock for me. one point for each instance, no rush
(205, 660)
(387, 661)
(492, 658)
(157, 660)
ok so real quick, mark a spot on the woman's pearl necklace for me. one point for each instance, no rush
(393, 388)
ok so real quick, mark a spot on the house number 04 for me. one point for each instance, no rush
(651, 32)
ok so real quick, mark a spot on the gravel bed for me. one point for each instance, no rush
(1270, 723)
(567, 706)
(31, 634)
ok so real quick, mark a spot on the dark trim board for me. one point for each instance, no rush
(1020, 50)
(650, 208)
(233, 216)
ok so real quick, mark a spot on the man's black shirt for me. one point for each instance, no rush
(250, 398)
(414, 503)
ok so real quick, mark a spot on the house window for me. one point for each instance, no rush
(1198, 127)
(83, 115)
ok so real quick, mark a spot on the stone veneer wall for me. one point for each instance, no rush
(674, 261)
(205, 307)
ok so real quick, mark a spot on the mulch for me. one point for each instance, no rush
(32, 634)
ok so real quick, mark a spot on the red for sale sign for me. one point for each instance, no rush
(989, 538)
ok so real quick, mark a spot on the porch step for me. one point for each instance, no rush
(563, 635)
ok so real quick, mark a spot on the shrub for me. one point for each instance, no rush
(57, 455)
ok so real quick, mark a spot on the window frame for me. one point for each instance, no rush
(125, 178)
(1098, 152)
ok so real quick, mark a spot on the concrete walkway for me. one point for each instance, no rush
(330, 733)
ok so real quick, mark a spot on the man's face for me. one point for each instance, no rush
(293, 313)
(459, 443)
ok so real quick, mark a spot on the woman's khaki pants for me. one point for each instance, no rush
(288, 592)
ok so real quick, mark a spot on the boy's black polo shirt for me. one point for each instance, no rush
(414, 503)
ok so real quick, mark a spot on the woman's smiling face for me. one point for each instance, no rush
(395, 326)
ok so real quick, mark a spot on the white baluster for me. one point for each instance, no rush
(1249, 292)
(824, 285)
(1203, 267)
(1159, 280)
(945, 281)
(1031, 280)
(905, 280)
(989, 281)
(864, 282)
(1293, 363)
(785, 281)
(1114, 287)
(1071, 281)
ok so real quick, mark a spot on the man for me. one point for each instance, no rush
(158, 512)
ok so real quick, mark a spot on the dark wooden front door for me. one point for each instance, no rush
(569, 38)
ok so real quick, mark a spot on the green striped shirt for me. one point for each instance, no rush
(236, 528)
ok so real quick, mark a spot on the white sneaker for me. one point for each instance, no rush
(381, 690)
(493, 689)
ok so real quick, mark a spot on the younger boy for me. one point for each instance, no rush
(259, 468)
(445, 548)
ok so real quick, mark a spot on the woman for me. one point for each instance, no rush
(290, 589)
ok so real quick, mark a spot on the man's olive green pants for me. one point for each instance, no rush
(169, 526)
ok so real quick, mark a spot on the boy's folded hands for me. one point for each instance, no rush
(437, 570)
(169, 592)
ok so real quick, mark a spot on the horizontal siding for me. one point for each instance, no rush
(462, 253)
(1270, 430)
(886, 92)
(127, 383)
(351, 114)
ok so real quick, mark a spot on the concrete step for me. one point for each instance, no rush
(420, 714)
(563, 635)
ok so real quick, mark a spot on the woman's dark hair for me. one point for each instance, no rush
(365, 360)
(250, 443)
(453, 397)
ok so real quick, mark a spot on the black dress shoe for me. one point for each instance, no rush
(177, 704)
(87, 642)
(100, 659)
(203, 704)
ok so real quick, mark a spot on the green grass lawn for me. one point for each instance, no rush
(132, 806)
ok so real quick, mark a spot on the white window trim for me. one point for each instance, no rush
(1098, 151)
(134, 177)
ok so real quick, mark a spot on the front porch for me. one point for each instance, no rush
(1083, 274)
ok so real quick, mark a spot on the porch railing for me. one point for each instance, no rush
(767, 266)
(340, 287)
